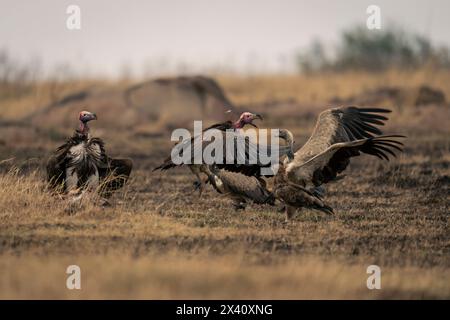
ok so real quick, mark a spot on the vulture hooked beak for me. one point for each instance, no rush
(86, 116)
(255, 116)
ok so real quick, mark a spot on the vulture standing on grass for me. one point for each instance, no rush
(81, 164)
(339, 134)
(245, 118)
(241, 186)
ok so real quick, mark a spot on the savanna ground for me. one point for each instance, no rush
(394, 215)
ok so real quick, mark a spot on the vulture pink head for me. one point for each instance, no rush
(247, 118)
(85, 117)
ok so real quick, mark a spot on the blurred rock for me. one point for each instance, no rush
(429, 95)
(150, 108)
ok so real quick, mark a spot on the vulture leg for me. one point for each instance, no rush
(290, 211)
(93, 182)
(199, 184)
(116, 175)
(71, 180)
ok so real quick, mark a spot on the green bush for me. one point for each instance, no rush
(373, 50)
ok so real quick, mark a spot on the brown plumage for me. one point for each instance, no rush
(239, 187)
(339, 134)
(82, 164)
(244, 119)
(243, 188)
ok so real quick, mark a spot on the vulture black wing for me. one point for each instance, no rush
(57, 162)
(325, 166)
(167, 163)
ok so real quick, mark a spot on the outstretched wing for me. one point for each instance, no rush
(341, 125)
(325, 166)
(252, 156)
(57, 162)
(337, 126)
(182, 145)
(236, 153)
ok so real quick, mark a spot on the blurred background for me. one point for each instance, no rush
(154, 38)
(147, 67)
(128, 58)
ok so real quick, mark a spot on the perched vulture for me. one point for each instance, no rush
(81, 164)
(242, 188)
(339, 134)
(244, 119)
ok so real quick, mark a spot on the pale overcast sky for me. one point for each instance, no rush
(159, 35)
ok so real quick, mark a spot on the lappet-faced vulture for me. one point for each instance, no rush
(243, 187)
(81, 164)
(244, 119)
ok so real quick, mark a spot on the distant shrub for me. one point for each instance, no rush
(374, 50)
(15, 79)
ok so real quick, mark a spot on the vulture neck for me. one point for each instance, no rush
(83, 129)
(238, 124)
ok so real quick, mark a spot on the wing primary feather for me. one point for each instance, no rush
(389, 145)
(379, 152)
(379, 147)
(374, 110)
(361, 130)
(368, 127)
(353, 133)
(391, 141)
(371, 120)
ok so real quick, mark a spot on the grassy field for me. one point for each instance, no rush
(159, 240)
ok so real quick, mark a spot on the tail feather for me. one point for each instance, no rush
(167, 164)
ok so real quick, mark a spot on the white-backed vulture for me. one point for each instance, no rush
(244, 119)
(239, 187)
(339, 134)
(81, 164)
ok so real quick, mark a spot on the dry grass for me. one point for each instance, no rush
(395, 215)
(321, 88)
(176, 275)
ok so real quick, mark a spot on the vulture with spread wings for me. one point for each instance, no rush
(339, 135)
(243, 183)
(189, 145)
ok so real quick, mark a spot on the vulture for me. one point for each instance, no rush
(239, 187)
(242, 187)
(245, 118)
(339, 135)
(81, 164)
